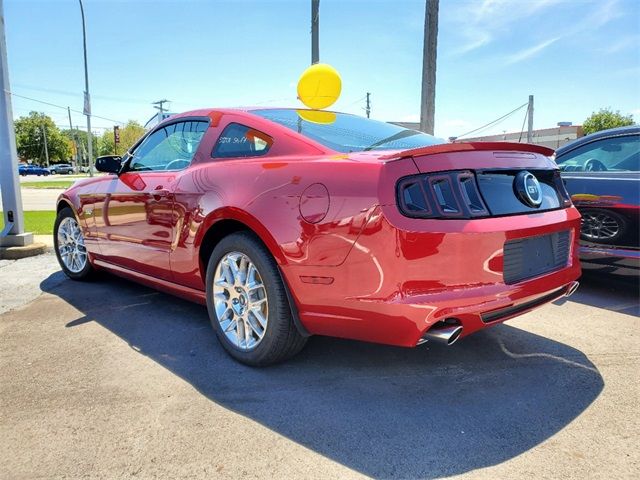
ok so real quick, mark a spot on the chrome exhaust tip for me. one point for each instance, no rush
(442, 332)
(571, 289)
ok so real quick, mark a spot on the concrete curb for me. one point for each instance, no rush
(16, 253)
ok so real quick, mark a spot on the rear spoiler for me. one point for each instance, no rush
(465, 147)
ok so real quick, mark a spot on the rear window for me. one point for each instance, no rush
(241, 141)
(348, 133)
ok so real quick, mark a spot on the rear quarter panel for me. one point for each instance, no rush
(336, 194)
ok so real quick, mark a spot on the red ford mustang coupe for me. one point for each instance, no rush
(288, 223)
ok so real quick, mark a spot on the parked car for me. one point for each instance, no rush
(602, 174)
(289, 223)
(85, 169)
(25, 170)
(61, 169)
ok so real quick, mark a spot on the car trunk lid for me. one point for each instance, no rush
(484, 179)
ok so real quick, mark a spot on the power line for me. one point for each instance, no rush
(76, 95)
(66, 127)
(64, 108)
(494, 122)
(356, 101)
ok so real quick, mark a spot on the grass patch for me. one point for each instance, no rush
(38, 222)
(48, 184)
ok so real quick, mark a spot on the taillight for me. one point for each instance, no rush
(441, 195)
(561, 189)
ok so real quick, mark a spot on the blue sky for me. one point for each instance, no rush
(575, 56)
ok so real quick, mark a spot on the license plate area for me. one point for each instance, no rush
(530, 257)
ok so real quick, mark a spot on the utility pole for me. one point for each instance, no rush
(13, 233)
(315, 33)
(430, 46)
(160, 106)
(80, 144)
(530, 120)
(87, 98)
(368, 109)
(74, 136)
(116, 139)
(44, 135)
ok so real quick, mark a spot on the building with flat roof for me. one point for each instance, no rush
(554, 137)
(547, 137)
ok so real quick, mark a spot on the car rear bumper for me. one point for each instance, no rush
(404, 275)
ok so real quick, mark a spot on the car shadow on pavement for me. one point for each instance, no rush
(608, 291)
(386, 412)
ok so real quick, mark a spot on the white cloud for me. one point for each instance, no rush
(530, 52)
(481, 23)
(623, 44)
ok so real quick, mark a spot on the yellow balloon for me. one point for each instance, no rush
(319, 86)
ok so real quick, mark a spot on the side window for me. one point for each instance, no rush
(169, 148)
(615, 153)
(241, 141)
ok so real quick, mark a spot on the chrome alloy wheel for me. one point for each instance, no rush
(240, 300)
(599, 226)
(71, 247)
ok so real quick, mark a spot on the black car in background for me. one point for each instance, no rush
(602, 174)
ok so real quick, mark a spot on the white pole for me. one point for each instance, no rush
(13, 233)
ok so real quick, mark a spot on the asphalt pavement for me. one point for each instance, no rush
(110, 379)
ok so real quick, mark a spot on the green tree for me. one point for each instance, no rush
(129, 134)
(81, 137)
(30, 139)
(604, 119)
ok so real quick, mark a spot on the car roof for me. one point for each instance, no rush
(258, 122)
(612, 132)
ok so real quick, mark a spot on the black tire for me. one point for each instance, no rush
(88, 271)
(605, 217)
(281, 338)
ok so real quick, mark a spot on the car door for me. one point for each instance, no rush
(603, 179)
(134, 220)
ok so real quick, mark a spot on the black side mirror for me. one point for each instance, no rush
(108, 164)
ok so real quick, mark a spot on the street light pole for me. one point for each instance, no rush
(87, 98)
(13, 233)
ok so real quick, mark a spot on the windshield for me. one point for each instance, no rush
(619, 153)
(348, 133)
